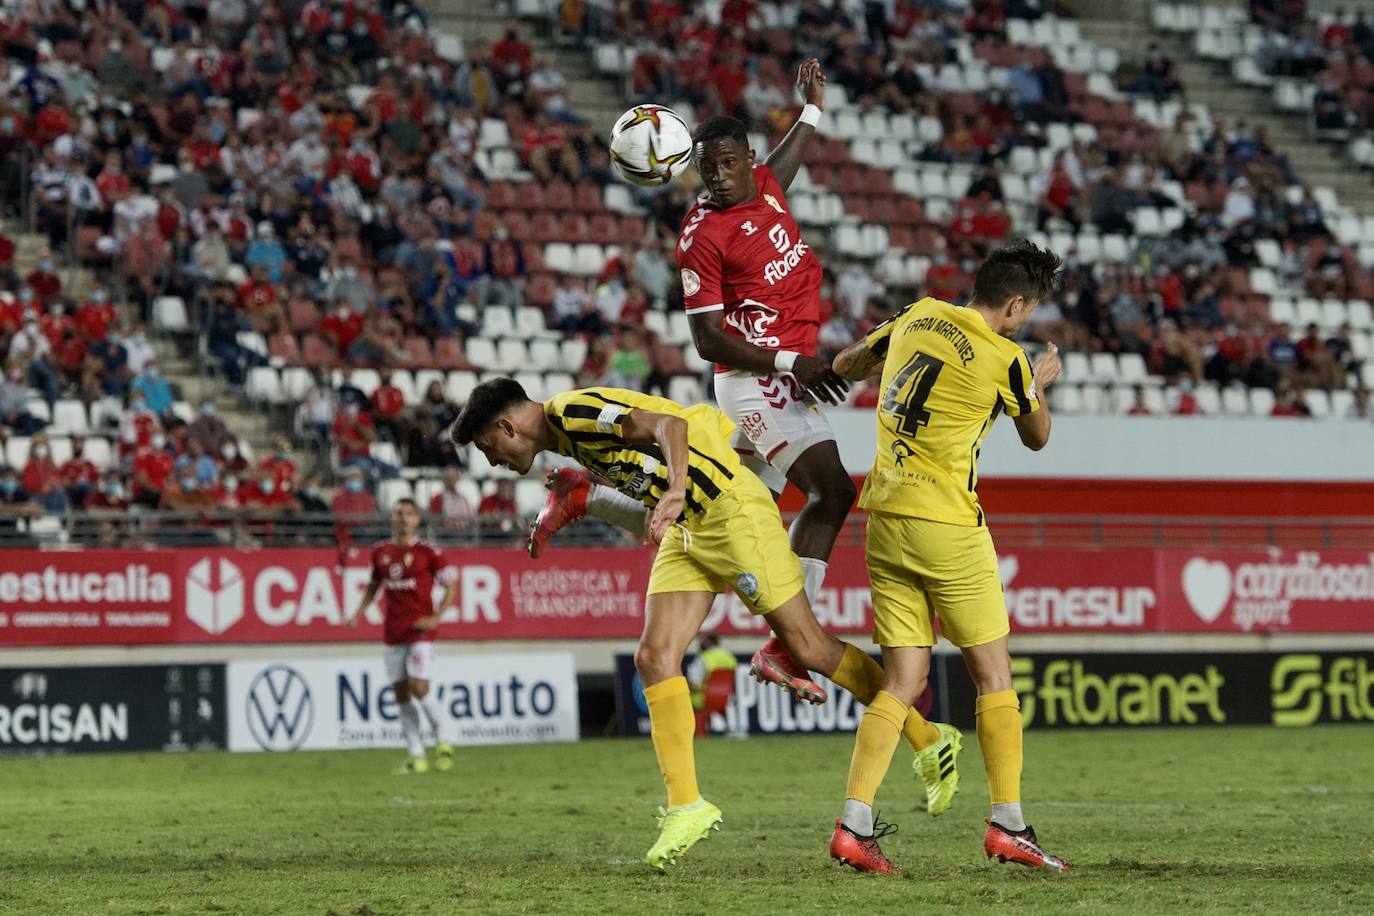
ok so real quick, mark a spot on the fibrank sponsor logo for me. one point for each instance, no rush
(1066, 692)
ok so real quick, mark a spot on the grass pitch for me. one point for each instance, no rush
(1154, 821)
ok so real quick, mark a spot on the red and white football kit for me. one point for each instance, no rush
(406, 574)
(751, 262)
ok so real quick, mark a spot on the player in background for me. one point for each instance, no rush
(716, 526)
(947, 372)
(751, 288)
(405, 569)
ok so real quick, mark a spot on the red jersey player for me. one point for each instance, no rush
(751, 287)
(405, 569)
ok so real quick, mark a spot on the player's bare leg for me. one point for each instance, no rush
(410, 728)
(819, 473)
(1008, 837)
(427, 703)
(671, 622)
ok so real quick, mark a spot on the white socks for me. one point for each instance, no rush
(429, 705)
(410, 727)
(858, 817)
(610, 505)
(813, 571)
(1009, 816)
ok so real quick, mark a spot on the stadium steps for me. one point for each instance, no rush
(1125, 26)
(591, 96)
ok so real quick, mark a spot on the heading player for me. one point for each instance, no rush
(405, 569)
(751, 288)
(716, 526)
(946, 374)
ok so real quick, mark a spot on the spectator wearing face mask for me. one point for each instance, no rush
(157, 394)
(78, 474)
(352, 503)
(208, 430)
(14, 402)
(15, 503)
(196, 461)
(184, 494)
(138, 351)
(31, 349)
(269, 495)
(109, 496)
(137, 426)
(278, 463)
(43, 279)
(153, 468)
(41, 478)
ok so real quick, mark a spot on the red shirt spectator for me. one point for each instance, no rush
(255, 294)
(350, 502)
(169, 217)
(343, 325)
(737, 12)
(94, 318)
(54, 326)
(41, 475)
(387, 401)
(113, 185)
(354, 432)
(152, 468)
(6, 251)
(70, 353)
(729, 79)
(44, 283)
(537, 137)
(991, 222)
(100, 498)
(496, 504)
(268, 494)
(1170, 289)
(511, 50)
(52, 122)
(281, 469)
(664, 14)
(76, 471)
(944, 281)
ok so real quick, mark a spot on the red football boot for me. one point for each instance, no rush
(567, 502)
(1021, 847)
(773, 664)
(861, 852)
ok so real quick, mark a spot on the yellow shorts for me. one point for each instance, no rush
(738, 542)
(920, 568)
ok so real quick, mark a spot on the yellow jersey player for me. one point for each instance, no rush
(947, 372)
(716, 527)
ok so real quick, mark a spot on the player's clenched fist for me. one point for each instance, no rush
(666, 513)
(1046, 368)
(811, 82)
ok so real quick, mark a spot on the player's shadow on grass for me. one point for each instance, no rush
(1187, 871)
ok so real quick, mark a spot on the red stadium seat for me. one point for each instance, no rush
(317, 351)
(575, 228)
(448, 354)
(86, 239)
(482, 224)
(540, 289)
(418, 353)
(517, 224)
(632, 229)
(501, 196)
(558, 195)
(822, 175)
(302, 315)
(605, 230)
(534, 257)
(544, 228)
(587, 197)
(530, 197)
(285, 348)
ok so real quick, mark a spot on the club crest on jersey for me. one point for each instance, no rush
(408, 558)
(397, 571)
(748, 227)
(691, 283)
(773, 202)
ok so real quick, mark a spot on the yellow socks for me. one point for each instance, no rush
(673, 727)
(877, 737)
(999, 735)
(863, 677)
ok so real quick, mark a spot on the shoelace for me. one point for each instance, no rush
(881, 829)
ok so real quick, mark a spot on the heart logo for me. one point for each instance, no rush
(1207, 585)
(1008, 567)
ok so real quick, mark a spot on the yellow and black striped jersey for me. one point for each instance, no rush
(588, 425)
(945, 378)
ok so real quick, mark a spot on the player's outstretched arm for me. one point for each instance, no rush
(669, 433)
(715, 345)
(786, 158)
(857, 362)
(1034, 427)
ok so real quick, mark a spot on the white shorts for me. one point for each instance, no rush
(777, 420)
(415, 661)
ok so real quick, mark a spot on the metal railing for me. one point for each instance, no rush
(138, 528)
(251, 530)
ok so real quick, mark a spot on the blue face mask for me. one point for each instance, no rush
(9, 485)
(113, 489)
(207, 410)
(188, 483)
(355, 485)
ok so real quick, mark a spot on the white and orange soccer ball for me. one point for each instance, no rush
(650, 145)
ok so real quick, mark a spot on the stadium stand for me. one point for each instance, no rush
(327, 227)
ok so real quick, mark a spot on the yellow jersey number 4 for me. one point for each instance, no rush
(907, 404)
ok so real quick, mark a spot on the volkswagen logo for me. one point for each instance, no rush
(280, 709)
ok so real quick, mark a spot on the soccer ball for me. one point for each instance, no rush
(650, 145)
